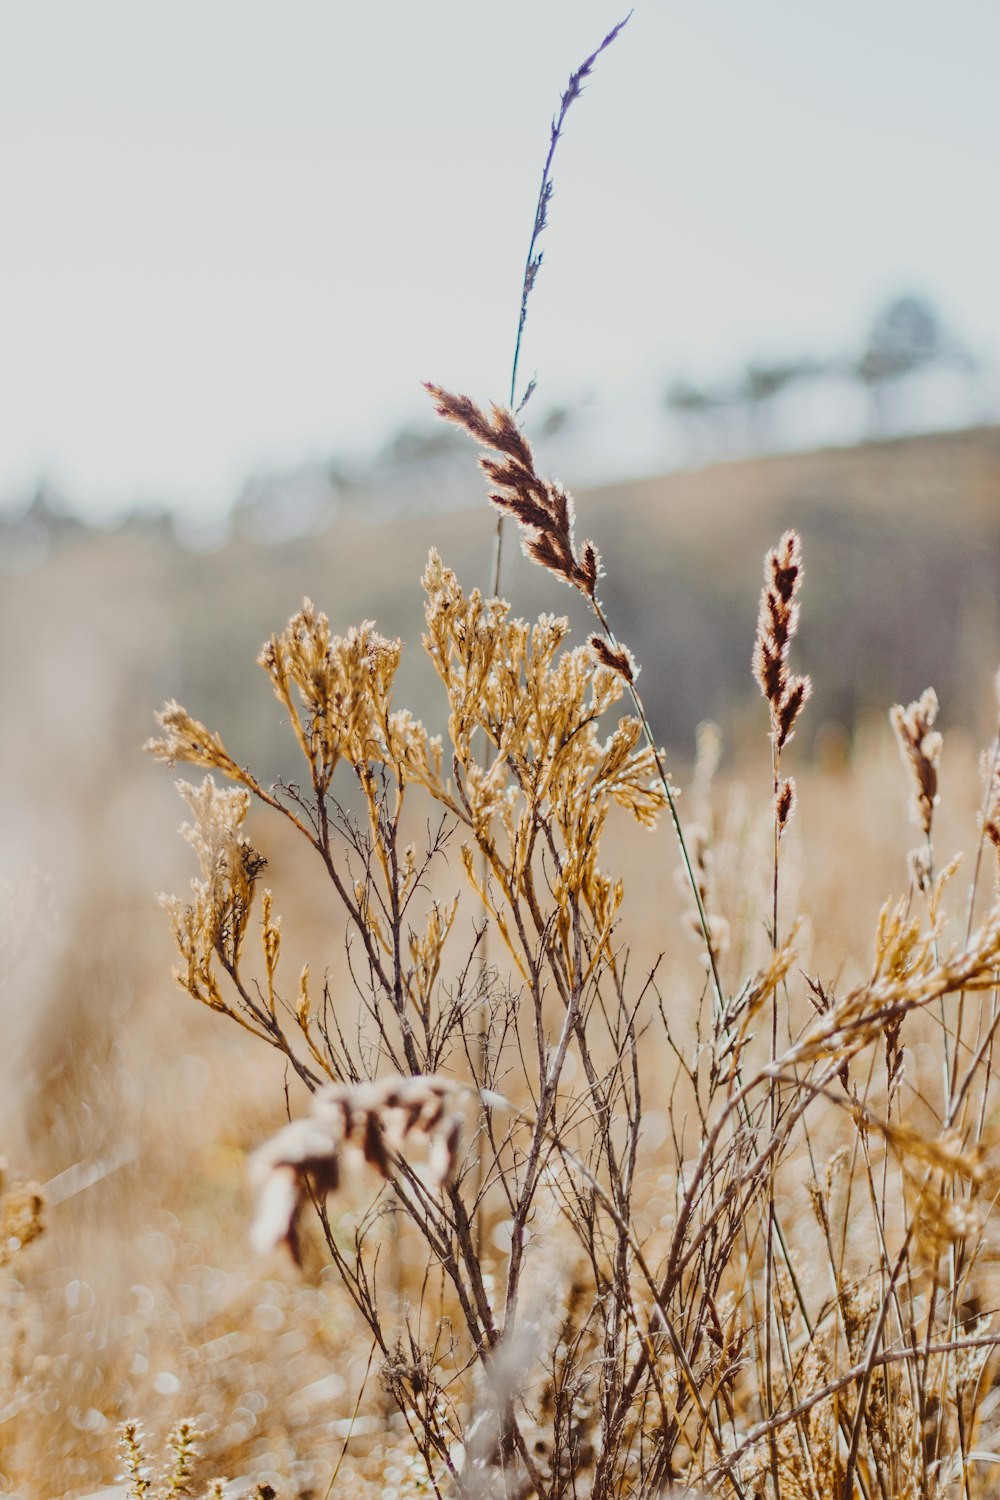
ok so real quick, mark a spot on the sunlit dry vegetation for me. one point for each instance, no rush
(599, 1180)
(538, 1117)
(786, 1285)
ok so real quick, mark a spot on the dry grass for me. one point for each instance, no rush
(576, 1206)
(145, 1274)
(142, 1296)
(792, 1292)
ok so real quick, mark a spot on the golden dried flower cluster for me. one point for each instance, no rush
(552, 776)
(536, 759)
(546, 788)
(335, 688)
(212, 926)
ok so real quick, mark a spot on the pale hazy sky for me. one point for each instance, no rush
(240, 232)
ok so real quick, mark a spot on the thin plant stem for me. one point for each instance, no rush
(533, 259)
(675, 819)
(532, 264)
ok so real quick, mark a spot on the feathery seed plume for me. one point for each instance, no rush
(541, 507)
(785, 803)
(777, 624)
(619, 660)
(920, 748)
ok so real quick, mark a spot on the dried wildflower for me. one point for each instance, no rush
(894, 1057)
(213, 925)
(708, 754)
(187, 739)
(968, 1364)
(942, 1221)
(946, 1154)
(991, 801)
(270, 938)
(183, 1450)
(920, 748)
(909, 974)
(137, 1470)
(540, 708)
(533, 264)
(784, 804)
(541, 507)
(818, 1203)
(372, 1118)
(177, 1467)
(777, 624)
(767, 981)
(618, 658)
(335, 689)
(859, 1308)
(823, 1002)
(426, 953)
(921, 871)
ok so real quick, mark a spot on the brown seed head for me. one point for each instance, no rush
(541, 507)
(784, 805)
(619, 659)
(777, 625)
(920, 748)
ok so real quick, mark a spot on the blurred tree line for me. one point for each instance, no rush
(423, 466)
(907, 336)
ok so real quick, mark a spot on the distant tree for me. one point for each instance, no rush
(762, 383)
(685, 397)
(705, 410)
(417, 446)
(906, 335)
(556, 421)
(699, 410)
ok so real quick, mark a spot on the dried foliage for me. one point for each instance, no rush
(596, 1317)
(606, 1230)
(178, 1470)
(304, 1161)
(607, 1233)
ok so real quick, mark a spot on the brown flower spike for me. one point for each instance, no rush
(619, 660)
(541, 507)
(920, 747)
(777, 623)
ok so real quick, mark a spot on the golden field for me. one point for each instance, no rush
(134, 1108)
